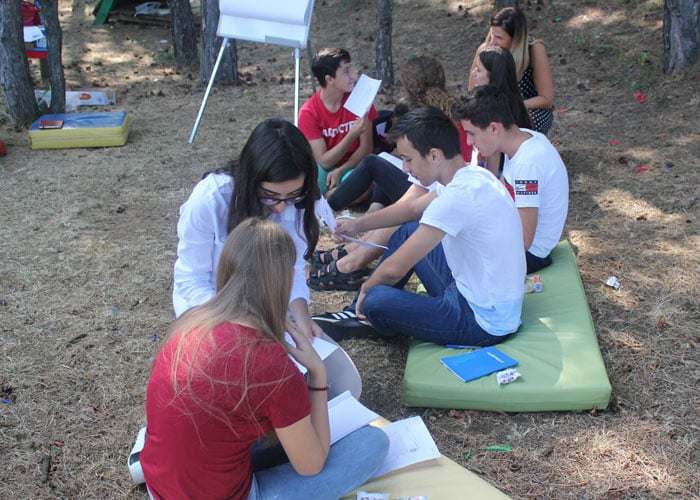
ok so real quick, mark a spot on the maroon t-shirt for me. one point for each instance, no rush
(189, 452)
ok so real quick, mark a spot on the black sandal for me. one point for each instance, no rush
(329, 278)
(322, 258)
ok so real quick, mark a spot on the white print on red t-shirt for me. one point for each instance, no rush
(526, 187)
(343, 128)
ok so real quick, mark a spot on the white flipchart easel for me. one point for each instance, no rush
(279, 22)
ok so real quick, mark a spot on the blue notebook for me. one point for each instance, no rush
(476, 364)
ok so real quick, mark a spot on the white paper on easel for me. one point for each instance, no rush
(285, 11)
(362, 96)
(410, 443)
(279, 22)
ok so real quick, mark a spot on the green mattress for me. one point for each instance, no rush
(556, 347)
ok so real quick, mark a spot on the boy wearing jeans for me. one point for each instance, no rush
(466, 248)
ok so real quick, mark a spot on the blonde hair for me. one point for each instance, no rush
(253, 282)
(514, 22)
(423, 79)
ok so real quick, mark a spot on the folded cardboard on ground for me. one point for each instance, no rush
(75, 98)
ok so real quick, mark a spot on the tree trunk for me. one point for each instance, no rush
(54, 46)
(228, 69)
(681, 34)
(385, 66)
(183, 32)
(14, 69)
(501, 4)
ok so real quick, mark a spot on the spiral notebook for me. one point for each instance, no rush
(479, 363)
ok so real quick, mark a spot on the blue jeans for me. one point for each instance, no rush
(350, 463)
(443, 317)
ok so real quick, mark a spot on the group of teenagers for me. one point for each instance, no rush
(480, 201)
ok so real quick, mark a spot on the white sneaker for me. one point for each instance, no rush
(133, 461)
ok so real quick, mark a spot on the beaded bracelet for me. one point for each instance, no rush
(319, 389)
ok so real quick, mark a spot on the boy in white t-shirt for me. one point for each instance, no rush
(466, 249)
(533, 171)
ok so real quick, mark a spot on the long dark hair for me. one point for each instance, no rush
(276, 151)
(501, 67)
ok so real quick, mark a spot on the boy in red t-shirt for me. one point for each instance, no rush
(338, 138)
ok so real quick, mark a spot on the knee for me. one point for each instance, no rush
(376, 300)
(402, 234)
(376, 441)
(333, 200)
(372, 163)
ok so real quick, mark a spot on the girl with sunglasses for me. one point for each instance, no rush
(275, 178)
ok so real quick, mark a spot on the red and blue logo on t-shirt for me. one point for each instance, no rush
(526, 187)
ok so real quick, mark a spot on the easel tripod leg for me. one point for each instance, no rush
(224, 43)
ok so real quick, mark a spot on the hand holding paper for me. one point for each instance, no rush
(300, 349)
(362, 96)
(346, 228)
(359, 126)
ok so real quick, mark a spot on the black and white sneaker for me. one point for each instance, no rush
(344, 324)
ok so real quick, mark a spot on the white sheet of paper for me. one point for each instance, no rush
(33, 33)
(277, 22)
(381, 129)
(398, 164)
(363, 243)
(362, 96)
(394, 160)
(346, 414)
(287, 12)
(322, 347)
(411, 443)
(324, 212)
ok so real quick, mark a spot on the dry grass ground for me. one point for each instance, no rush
(87, 245)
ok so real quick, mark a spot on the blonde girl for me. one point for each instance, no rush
(223, 379)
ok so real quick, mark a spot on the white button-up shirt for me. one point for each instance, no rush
(201, 232)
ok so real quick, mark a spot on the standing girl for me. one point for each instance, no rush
(223, 379)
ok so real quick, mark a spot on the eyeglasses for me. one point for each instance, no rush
(270, 202)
